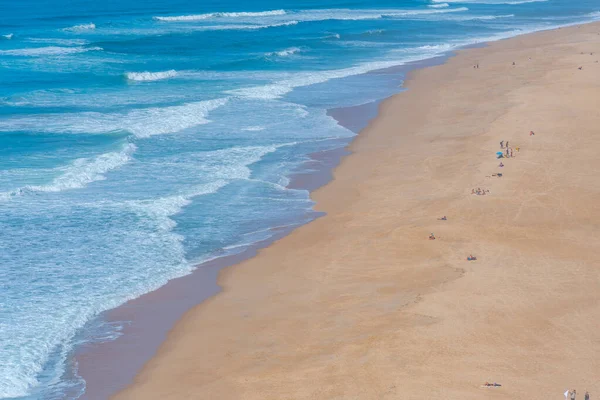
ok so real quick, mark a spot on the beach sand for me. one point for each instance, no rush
(359, 304)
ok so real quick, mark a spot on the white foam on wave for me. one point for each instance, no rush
(440, 5)
(411, 13)
(224, 166)
(48, 51)
(481, 17)
(244, 27)
(142, 123)
(150, 76)
(361, 43)
(161, 210)
(8, 36)
(284, 53)
(200, 17)
(59, 41)
(81, 28)
(360, 15)
(522, 2)
(79, 173)
(254, 128)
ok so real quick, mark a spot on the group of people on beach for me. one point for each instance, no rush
(572, 395)
(480, 192)
(508, 150)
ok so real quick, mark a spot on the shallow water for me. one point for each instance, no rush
(138, 139)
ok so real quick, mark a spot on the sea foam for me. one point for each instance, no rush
(245, 27)
(151, 76)
(142, 123)
(81, 28)
(200, 17)
(80, 172)
(48, 51)
(285, 53)
(59, 41)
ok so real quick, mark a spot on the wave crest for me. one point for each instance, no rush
(200, 17)
(80, 172)
(142, 123)
(48, 51)
(285, 53)
(81, 28)
(150, 76)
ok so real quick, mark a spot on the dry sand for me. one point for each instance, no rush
(360, 304)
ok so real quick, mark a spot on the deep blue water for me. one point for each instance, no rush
(140, 138)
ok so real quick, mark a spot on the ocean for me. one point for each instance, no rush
(139, 139)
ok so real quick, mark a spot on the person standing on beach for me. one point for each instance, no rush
(586, 396)
(507, 143)
(573, 394)
(502, 144)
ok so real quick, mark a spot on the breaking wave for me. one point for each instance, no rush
(150, 76)
(80, 28)
(80, 172)
(142, 123)
(48, 51)
(285, 53)
(200, 17)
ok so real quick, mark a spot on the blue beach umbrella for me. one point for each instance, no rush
(499, 153)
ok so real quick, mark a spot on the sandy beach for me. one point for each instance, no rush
(360, 304)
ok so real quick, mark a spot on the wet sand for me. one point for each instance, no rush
(359, 304)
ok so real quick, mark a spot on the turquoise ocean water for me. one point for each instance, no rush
(138, 139)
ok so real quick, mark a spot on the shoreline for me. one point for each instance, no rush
(118, 361)
(319, 207)
(417, 325)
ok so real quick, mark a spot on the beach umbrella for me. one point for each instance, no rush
(499, 153)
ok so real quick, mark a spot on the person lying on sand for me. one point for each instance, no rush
(471, 258)
(443, 218)
(501, 165)
(492, 384)
(531, 133)
(432, 237)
